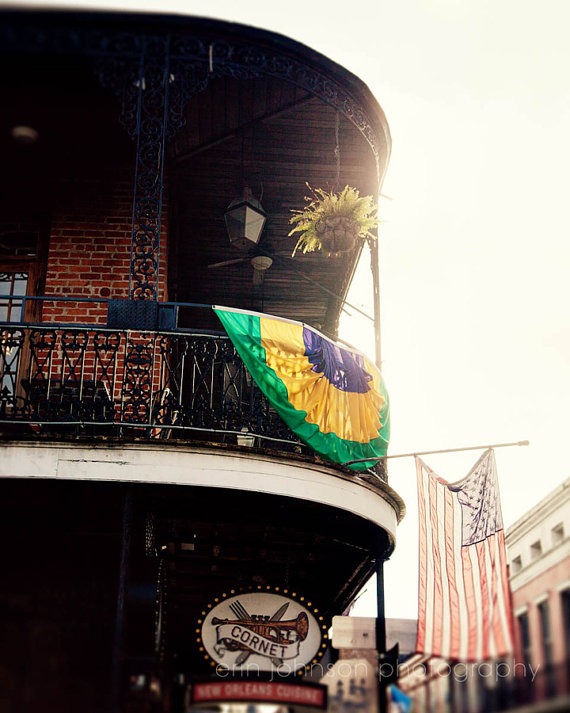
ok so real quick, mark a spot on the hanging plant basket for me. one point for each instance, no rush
(337, 233)
(333, 222)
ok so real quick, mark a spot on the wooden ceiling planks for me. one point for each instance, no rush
(276, 138)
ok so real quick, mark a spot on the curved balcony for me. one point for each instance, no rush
(70, 381)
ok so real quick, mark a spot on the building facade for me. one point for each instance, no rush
(539, 555)
(170, 541)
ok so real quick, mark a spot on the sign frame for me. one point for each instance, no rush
(262, 630)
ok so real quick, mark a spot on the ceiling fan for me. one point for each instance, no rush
(251, 258)
(226, 263)
(259, 263)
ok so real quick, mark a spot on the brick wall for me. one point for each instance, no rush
(89, 257)
(89, 248)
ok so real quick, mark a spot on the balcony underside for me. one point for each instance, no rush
(191, 525)
(206, 466)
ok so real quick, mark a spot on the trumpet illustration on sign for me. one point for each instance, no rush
(264, 635)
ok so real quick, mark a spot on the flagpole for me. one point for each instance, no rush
(443, 450)
(380, 635)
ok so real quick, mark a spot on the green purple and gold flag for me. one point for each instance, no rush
(333, 398)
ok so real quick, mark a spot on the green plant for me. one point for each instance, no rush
(333, 221)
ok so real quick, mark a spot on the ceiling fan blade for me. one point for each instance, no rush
(224, 263)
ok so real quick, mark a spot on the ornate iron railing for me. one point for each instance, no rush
(147, 383)
(65, 379)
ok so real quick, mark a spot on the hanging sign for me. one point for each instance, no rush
(262, 631)
(279, 692)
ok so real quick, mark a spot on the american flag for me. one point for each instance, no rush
(464, 610)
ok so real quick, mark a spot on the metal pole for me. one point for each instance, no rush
(443, 450)
(380, 633)
(380, 605)
(375, 268)
(118, 645)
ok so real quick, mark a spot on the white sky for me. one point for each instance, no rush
(475, 243)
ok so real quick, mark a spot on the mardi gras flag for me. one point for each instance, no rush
(333, 398)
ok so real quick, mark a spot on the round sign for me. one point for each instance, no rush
(262, 631)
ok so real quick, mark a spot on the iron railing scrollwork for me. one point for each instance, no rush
(11, 343)
(104, 382)
(137, 386)
(162, 385)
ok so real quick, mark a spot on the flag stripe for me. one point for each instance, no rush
(437, 578)
(422, 584)
(464, 610)
(475, 612)
(496, 623)
(450, 561)
(463, 644)
(503, 596)
(429, 579)
(484, 593)
(507, 600)
(445, 597)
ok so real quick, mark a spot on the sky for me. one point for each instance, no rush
(474, 235)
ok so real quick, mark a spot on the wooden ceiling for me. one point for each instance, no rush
(274, 137)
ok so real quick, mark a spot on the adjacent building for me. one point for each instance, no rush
(538, 546)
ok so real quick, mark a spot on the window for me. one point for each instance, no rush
(524, 633)
(516, 564)
(557, 534)
(18, 241)
(544, 624)
(546, 636)
(524, 683)
(22, 247)
(535, 550)
(22, 257)
(13, 285)
(565, 596)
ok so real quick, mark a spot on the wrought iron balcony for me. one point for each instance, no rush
(65, 379)
(126, 380)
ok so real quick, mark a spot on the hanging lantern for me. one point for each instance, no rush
(245, 220)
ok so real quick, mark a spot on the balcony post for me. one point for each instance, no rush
(375, 268)
(151, 127)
